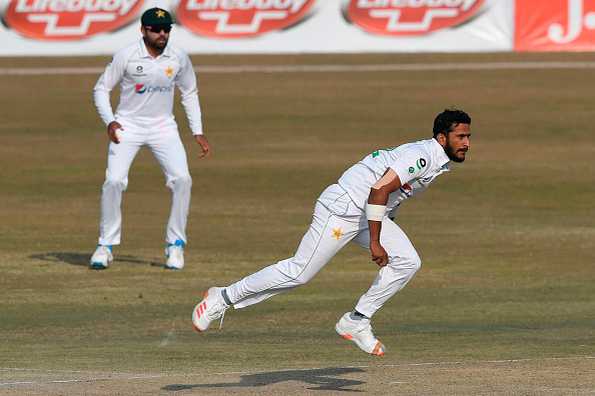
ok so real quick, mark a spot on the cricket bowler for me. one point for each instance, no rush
(359, 208)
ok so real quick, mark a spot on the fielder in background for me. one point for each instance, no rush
(147, 72)
(358, 208)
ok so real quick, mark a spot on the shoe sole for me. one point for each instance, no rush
(378, 348)
(198, 305)
(98, 266)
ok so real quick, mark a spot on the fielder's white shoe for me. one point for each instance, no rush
(175, 255)
(102, 257)
(212, 307)
(360, 332)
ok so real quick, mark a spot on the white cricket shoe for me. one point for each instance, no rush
(360, 332)
(102, 257)
(212, 307)
(175, 255)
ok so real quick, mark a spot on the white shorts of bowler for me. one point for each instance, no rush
(336, 222)
(166, 146)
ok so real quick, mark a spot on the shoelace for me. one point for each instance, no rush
(365, 327)
(221, 322)
(220, 310)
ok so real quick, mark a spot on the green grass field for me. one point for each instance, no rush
(504, 303)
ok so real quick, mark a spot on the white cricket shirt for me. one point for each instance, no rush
(147, 87)
(417, 164)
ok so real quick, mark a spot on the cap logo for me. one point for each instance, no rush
(160, 14)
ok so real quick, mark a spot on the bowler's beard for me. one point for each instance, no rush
(452, 154)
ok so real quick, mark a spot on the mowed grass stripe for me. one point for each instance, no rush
(465, 66)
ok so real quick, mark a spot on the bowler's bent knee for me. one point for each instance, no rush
(411, 262)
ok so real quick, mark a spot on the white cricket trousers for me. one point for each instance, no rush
(336, 222)
(169, 151)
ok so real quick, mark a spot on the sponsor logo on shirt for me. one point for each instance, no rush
(241, 18)
(410, 17)
(64, 20)
(142, 88)
(139, 72)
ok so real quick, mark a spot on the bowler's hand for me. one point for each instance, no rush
(204, 145)
(112, 127)
(379, 255)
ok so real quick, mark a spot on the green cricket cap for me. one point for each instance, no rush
(156, 16)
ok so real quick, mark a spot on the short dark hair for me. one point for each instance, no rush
(446, 121)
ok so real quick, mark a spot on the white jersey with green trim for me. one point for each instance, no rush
(147, 88)
(417, 164)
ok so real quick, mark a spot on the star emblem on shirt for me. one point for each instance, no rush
(337, 233)
(169, 71)
(160, 14)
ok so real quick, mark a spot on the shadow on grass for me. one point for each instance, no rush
(323, 378)
(82, 259)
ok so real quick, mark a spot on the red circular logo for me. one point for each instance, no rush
(240, 18)
(64, 20)
(410, 17)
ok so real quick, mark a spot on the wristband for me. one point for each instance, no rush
(375, 212)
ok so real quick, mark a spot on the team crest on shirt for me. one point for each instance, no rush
(169, 72)
(337, 233)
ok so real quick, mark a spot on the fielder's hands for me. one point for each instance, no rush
(204, 145)
(112, 129)
(379, 255)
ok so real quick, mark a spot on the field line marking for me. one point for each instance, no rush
(16, 383)
(128, 377)
(44, 370)
(79, 380)
(323, 68)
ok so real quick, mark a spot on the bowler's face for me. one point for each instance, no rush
(457, 142)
